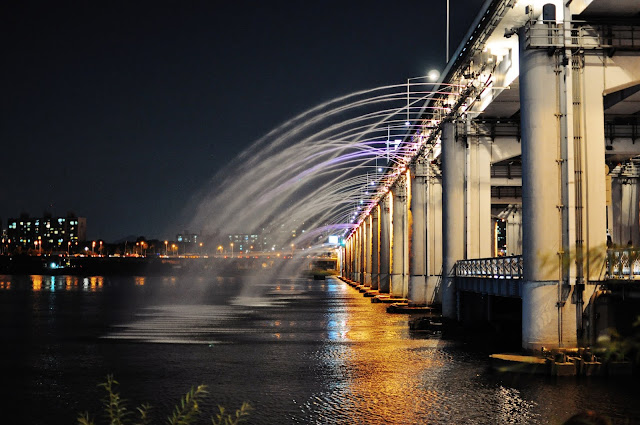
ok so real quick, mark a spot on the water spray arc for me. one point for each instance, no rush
(322, 172)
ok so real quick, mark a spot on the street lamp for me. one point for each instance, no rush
(166, 247)
(174, 247)
(93, 248)
(231, 249)
(220, 248)
(432, 76)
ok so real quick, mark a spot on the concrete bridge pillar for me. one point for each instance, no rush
(563, 191)
(478, 197)
(624, 194)
(385, 243)
(375, 247)
(357, 257)
(589, 120)
(542, 201)
(453, 215)
(399, 239)
(367, 250)
(362, 244)
(546, 178)
(434, 236)
(514, 230)
(348, 252)
(418, 232)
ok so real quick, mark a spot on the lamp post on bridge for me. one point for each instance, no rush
(432, 76)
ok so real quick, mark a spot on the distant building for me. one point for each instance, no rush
(268, 240)
(52, 232)
(243, 242)
(187, 237)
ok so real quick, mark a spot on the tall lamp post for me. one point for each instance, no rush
(447, 48)
(231, 249)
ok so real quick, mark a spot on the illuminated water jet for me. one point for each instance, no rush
(318, 173)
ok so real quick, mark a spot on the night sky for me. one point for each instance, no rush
(122, 111)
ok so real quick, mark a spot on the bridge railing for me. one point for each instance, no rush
(496, 268)
(580, 35)
(623, 263)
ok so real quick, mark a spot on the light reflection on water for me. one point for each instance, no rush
(54, 283)
(376, 368)
(310, 352)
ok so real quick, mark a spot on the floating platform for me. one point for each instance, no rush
(517, 363)
(388, 299)
(562, 366)
(408, 308)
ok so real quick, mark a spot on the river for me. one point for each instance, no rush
(307, 352)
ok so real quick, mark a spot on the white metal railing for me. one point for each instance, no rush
(623, 263)
(579, 35)
(496, 268)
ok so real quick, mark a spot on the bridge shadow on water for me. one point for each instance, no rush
(488, 324)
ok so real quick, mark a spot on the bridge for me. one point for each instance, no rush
(521, 174)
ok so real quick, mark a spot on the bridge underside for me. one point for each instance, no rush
(490, 286)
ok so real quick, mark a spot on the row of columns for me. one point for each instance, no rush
(397, 248)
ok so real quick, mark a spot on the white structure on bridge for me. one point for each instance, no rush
(535, 125)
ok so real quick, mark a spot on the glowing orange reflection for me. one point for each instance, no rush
(381, 364)
(36, 282)
(93, 283)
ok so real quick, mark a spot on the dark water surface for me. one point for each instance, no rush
(307, 352)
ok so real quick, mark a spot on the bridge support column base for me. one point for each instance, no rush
(385, 283)
(418, 289)
(397, 286)
(431, 293)
(545, 321)
(375, 279)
